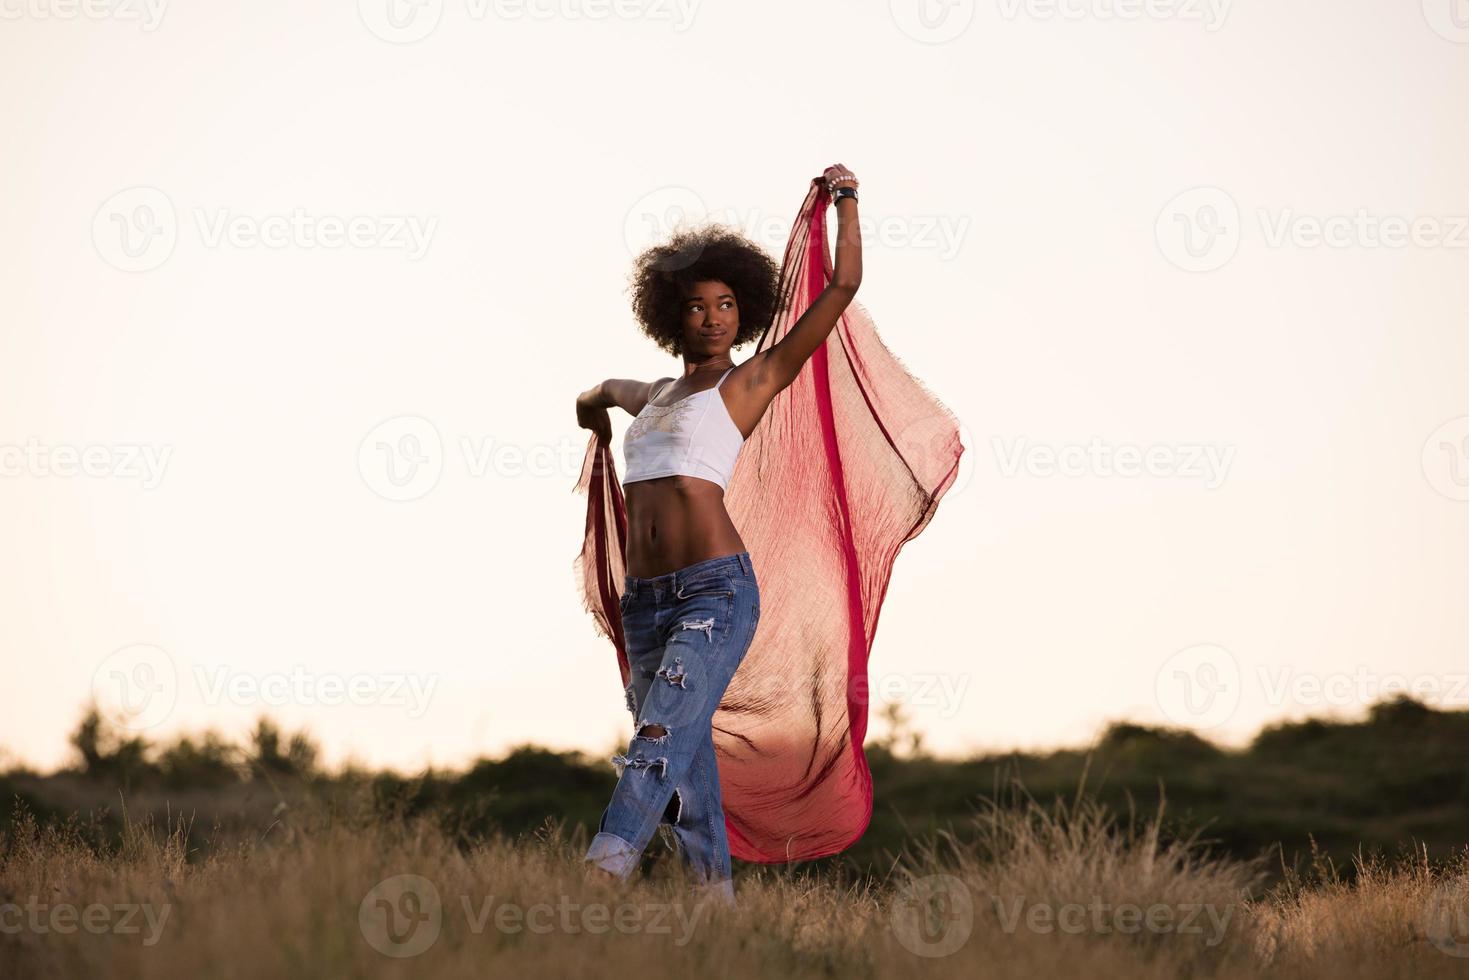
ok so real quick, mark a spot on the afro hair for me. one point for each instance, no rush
(663, 275)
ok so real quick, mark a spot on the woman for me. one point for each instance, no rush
(691, 601)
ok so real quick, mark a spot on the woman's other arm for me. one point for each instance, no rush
(592, 404)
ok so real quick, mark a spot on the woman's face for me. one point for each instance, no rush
(711, 319)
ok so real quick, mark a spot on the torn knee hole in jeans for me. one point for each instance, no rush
(623, 763)
(674, 675)
(653, 732)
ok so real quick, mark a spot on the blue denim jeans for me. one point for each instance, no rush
(687, 633)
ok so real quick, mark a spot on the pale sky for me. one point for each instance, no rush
(248, 251)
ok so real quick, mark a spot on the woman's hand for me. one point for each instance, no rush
(838, 176)
(594, 418)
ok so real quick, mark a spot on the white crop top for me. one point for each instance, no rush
(692, 437)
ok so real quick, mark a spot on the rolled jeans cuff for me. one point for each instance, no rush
(611, 853)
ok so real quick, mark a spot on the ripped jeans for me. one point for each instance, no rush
(686, 633)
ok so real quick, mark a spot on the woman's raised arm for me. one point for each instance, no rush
(785, 358)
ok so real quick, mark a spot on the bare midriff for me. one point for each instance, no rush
(675, 521)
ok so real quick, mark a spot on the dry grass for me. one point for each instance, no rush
(308, 897)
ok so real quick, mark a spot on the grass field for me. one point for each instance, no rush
(111, 871)
(1040, 891)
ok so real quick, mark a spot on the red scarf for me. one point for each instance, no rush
(848, 464)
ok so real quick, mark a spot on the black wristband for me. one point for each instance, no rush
(842, 192)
